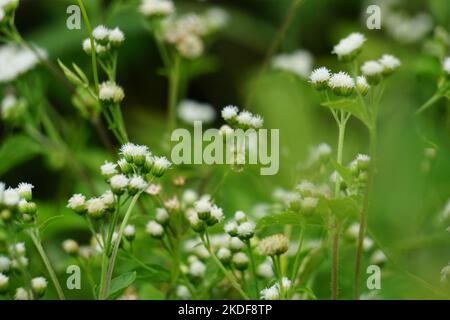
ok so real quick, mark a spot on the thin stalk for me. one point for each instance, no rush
(37, 243)
(253, 268)
(228, 274)
(297, 256)
(174, 81)
(91, 38)
(112, 260)
(364, 215)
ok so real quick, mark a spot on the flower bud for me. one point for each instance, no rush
(39, 286)
(4, 283)
(70, 247)
(160, 166)
(129, 232)
(28, 208)
(77, 203)
(231, 228)
(224, 255)
(154, 229)
(240, 261)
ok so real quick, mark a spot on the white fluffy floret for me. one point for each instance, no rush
(349, 45)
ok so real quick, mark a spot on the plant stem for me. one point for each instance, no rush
(253, 268)
(105, 288)
(364, 215)
(34, 234)
(174, 79)
(93, 49)
(297, 256)
(228, 274)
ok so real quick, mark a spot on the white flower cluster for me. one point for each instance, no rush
(17, 203)
(204, 214)
(129, 174)
(375, 70)
(241, 119)
(299, 63)
(348, 48)
(446, 65)
(240, 227)
(15, 61)
(190, 111)
(11, 108)
(274, 292)
(156, 8)
(186, 32)
(104, 40)
(274, 245)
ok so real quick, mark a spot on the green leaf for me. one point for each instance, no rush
(15, 150)
(344, 172)
(72, 77)
(290, 218)
(49, 221)
(81, 74)
(344, 208)
(120, 284)
(353, 106)
(149, 292)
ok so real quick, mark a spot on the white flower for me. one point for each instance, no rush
(367, 244)
(231, 228)
(152, 8)
(15, 61)
(154, 229)
(274, 245)
(119, 181)
(341, 82)
(362, 85)
(160, 166)
(4, 283)
(229, 112)
(5, 264)
(39, 285)
(286, 283)
(306, 188)
(87, 45)
(108, 198)
(299, 62)
(321, 74)
(153, 189)
(446, 65)
(101, 33)
(236, 244)
(191, 46)
(203, 205)
(224, 254)
(372, 68)
(390, 63)
(22, 294)
(19, 263)
(11, 197)
(137, 183)
(77, 202)
(25, 190)
(216, 18)
(111, 92)
(246, 229)
(129, 232)
(309, 203)
(271, 293)
(217, 213)
(108, 169)
(11, 107)
(70, 246)
(162, 216)
(240, 216)
(445, 273)
(265, 270)
(350, 46)
(189, 197)
(183, 292)
(197, 269)
(95, 207)
(378, 257)
(190, 111)
(240, 260)
(116, 36)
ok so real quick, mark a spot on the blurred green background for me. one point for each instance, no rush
(406, 203)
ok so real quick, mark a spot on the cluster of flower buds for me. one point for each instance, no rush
(274, 245)
(375, 71)
(16, 203)
(105, 40)
(111, 93)
(204, 214)
(240, 119)
(7, 8)
(240, 227)
(130, 174)
(359, 168)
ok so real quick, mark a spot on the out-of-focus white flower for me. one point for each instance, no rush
(136, 184)
(39, 286)
(101, 34)
(240, 216)
(129, 232)
(190, 111)
(367, 244)
(183, 292)
(240, 261)
(4, 283)
(274, 245)
(373, 71)
(362, 86)
(154, 229)
(162, 216)
(95, 208)
(230, 113)
(5, 264)
(348, 48)
(25, 190)
(446, 65)
(215, 19)
(408, 29)
(22, 294)
(190, 47)
(445, 273)
(271, 293)
(11, 197)
(77, 203)
(118, 183)
(189, 197)
(299, 62)
(236, 244)
(246, 230)
(378, 257)
(160, 166)
(224, 255)
(197, 269)
(156, 8)
(111, 92)
(116, 37)
(231, 228)
(390, 63)
(70, 246)
(265, 270)
(108, 169)
(15, 61)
